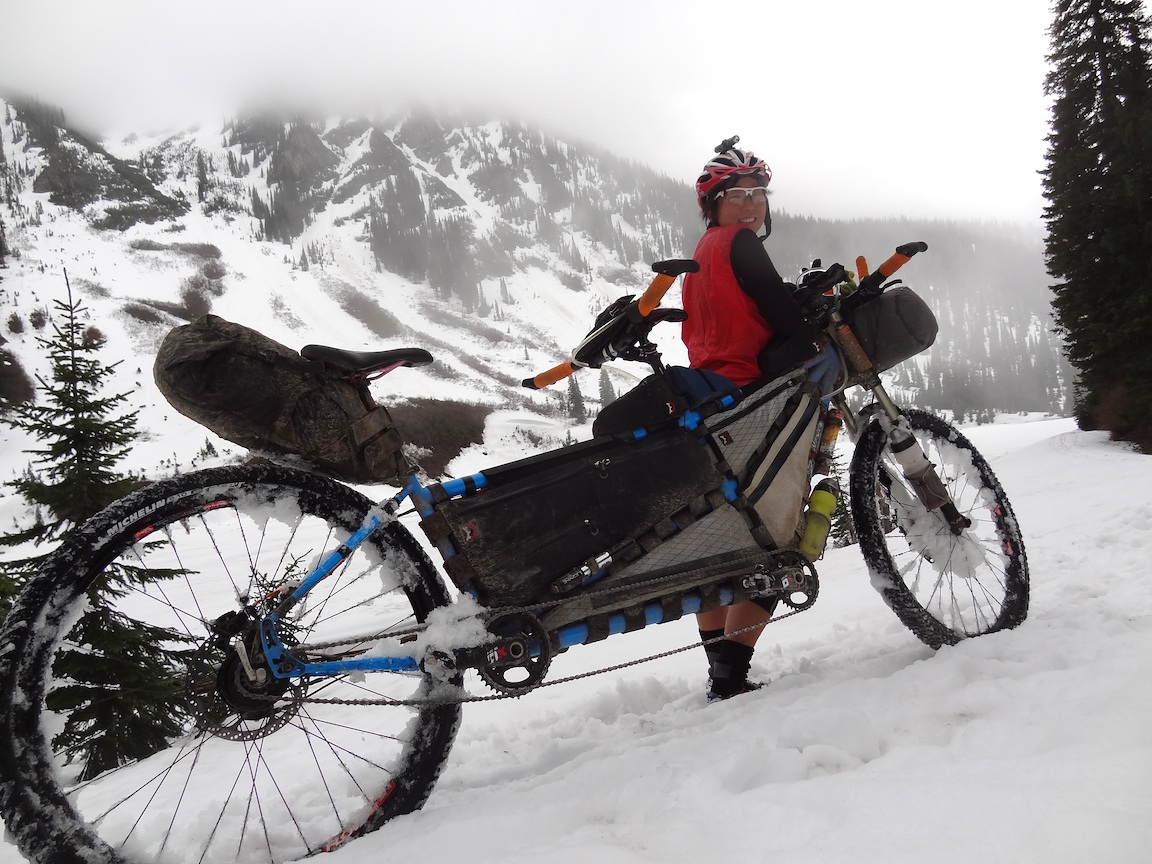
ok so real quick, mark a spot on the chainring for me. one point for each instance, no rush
(799, 580)
(520, 660)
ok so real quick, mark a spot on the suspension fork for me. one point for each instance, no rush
(918, 471)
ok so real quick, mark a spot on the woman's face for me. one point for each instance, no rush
(749, 212)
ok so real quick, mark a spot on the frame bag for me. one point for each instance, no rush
(543, 517)
(766, 439)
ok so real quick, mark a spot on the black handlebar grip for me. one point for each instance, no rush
(675, 267)
(910, 249)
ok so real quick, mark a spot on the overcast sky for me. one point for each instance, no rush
(885, 108)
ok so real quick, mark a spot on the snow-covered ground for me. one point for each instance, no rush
(1027, 746)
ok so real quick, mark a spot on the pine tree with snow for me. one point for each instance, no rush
(607, 394)
(576, 409)
(71, 477)
(80, 441)
(1098, 182)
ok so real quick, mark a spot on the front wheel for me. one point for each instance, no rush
(129, 731)
(944, 586)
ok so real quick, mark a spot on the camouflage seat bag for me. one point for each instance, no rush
(257, 393)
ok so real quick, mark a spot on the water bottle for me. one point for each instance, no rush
(821, 505)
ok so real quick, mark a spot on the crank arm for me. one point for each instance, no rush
(785, 581)
(505, 653)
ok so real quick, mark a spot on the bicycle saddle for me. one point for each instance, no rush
(366, 361)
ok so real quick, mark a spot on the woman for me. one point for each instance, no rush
(743, 323)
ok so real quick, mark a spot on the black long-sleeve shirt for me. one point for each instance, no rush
(794, 339)
(759, 279)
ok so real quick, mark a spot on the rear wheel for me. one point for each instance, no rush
(129, 730)
(944, 586)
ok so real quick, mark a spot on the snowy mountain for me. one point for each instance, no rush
(490, 244)
(324, 235)
(1027, 746)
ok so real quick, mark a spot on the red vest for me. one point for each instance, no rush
(725, 332)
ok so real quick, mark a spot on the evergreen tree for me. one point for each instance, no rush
(607, 394)
(72, 476)
(80, 442)
(843, 530)
(576, 409)
(1098, 182)
(201, 178)
(505, 296)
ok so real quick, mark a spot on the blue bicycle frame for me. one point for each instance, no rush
(283, 664)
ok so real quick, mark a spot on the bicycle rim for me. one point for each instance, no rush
(206, 772)
(944, 586)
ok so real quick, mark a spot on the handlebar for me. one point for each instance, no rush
(549, 376)
(638, 311)
(873, 282)
(666, 273)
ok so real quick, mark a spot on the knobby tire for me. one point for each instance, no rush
(944, 587)
(219, 783)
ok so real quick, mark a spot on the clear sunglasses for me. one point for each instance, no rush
(740, 194)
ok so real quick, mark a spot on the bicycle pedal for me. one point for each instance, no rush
(759, 582)
(440, 665)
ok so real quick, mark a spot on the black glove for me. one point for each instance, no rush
(621, 332)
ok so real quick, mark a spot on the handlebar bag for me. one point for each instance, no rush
(255, 392)
(893, 326)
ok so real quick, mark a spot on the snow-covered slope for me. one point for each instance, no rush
(1026, 746)
(1030, 746)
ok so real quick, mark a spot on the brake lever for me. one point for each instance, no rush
(666, 314)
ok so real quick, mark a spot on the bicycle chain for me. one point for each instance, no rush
(493, 697)
(536, 608)
(492, 612)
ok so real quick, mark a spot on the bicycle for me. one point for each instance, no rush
(314, 659)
